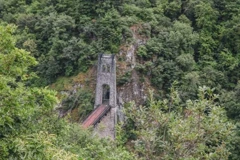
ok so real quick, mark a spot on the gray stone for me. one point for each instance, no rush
(106, 76)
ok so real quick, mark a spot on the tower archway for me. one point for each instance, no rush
(105, 94)
(106, 81)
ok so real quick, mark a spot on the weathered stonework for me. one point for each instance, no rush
(106, 76)
(106, 127)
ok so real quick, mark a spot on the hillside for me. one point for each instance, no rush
(176, 59)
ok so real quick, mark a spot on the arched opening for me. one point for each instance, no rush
(105, 94)
(106, 68)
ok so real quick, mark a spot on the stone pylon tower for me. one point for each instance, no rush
(106, 81)
(106, 95)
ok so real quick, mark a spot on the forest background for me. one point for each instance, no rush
(190, 55)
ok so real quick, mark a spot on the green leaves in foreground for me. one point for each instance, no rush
(19, 105)
(163, 131)
(29, 129)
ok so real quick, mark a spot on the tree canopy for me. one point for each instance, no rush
(185, 44)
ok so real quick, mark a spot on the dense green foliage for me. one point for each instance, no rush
(163, 130)
(193, 42)
(80, 102)
(28, 127)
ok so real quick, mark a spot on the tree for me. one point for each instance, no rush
(28, 127)
(19, 103)
(165, 130)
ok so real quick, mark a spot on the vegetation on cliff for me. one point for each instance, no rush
(182, 44)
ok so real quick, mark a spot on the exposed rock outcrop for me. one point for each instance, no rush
(133, 87)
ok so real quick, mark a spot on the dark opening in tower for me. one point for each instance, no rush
(105, 94)
(106, 68)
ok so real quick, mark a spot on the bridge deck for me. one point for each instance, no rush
(96, 115)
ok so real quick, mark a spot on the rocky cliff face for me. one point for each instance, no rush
(131, 86)
(136, 86)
